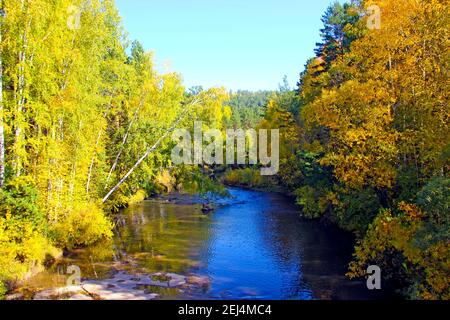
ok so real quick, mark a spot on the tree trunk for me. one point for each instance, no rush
(2, 130)
(124, 141)
(92, 162)
(149, 151)
(21, 96)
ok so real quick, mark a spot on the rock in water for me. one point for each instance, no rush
(207, 208)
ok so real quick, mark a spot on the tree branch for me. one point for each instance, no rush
(149, 151)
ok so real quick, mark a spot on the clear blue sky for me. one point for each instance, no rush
(239, 44)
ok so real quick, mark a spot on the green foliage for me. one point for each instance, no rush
(3, 290)
(247, 108)
(247, 177)
(311, 201)
(338, 32)
(364, 139)
(434, 198)
(356, 210)
(76, 114)
(23, 242)
(197, 181)
(313, 186)
(19, 197)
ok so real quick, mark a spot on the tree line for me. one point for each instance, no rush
(80, 109)
(85, 122)
(365, 138)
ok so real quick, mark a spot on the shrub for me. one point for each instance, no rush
(248, 177)
(139, 196)
(309, 199)
(356, 209)
(83, 225)
(23, 248)
(194, 181)
(435, 199)
(426, 264)
(23, 232)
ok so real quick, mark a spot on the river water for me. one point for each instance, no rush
(253, 246)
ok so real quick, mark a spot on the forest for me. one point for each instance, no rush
(86, 122)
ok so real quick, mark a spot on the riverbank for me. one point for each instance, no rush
(121, 285)
(253, 245)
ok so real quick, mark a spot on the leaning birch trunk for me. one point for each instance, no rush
(149, 151)
(124, 141)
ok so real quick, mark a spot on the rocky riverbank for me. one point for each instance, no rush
(122, 286)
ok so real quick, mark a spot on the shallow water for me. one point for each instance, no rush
(254, 246)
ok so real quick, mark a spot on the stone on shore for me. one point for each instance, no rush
(122, 286)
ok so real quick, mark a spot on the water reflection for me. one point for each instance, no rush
(163, 237)
(255, 246)
(260, 248)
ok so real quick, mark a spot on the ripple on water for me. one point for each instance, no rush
(253, 246)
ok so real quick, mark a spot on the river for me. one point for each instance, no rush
(253, 246)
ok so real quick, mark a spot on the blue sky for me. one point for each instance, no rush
(238, 44)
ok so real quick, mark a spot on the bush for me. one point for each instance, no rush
(195, 181)
(435, 199)
(23, 232)
(139, 196)
(23, 248)
(425, 264)
(311, 201)
(19, 198)
(356, 210)
(81, 226)
(245, 177)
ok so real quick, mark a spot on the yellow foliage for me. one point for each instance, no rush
(22, 248)
(139, 196)
(83, 225)
(166, 179)
(389, 232)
